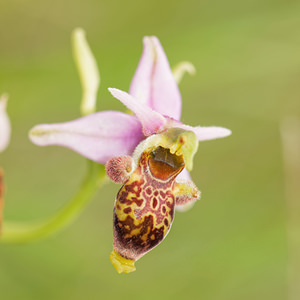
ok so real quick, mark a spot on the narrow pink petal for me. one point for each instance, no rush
(5, 129)
(204, 133)
(153, 82)
(151, 120)
(210, 133)
(98, 136)
(141, 83)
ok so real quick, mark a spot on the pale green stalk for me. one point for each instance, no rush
(88, 71)
(290, 135)
(24, 232)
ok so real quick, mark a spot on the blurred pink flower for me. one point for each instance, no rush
(154, 98)
(4, 124)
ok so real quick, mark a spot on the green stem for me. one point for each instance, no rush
(25, 232)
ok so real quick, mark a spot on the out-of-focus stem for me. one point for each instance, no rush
(5, 128)
(1, 197)
(290, 135)
(25, 232)
(87, 69)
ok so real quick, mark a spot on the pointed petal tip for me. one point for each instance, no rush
(42, 135)
(151, 120)
(212, 132)
(113, 90)
(150, 38)
(4, 99)
(34, 134)
(78, 33)
(224, 132)
(153, 42)
(207, 133)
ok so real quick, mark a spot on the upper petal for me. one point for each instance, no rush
(5, 129)
(153, 82)
(151, 120)
(98, 136)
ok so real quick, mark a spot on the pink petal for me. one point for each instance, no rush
(202, 133)
(5, 129)
(210, 133)
(153, 82)
(151, 120)
(98, 136)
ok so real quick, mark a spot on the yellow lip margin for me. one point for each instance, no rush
(122, 264)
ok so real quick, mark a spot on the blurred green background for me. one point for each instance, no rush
(232, 244)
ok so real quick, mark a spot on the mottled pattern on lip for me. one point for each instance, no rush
(144, 208)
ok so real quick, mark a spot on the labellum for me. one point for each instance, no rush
(145, 204)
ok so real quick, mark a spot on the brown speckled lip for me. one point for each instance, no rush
(145, 204)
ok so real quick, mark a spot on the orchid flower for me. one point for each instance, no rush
(155, 99)
(150, 152)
